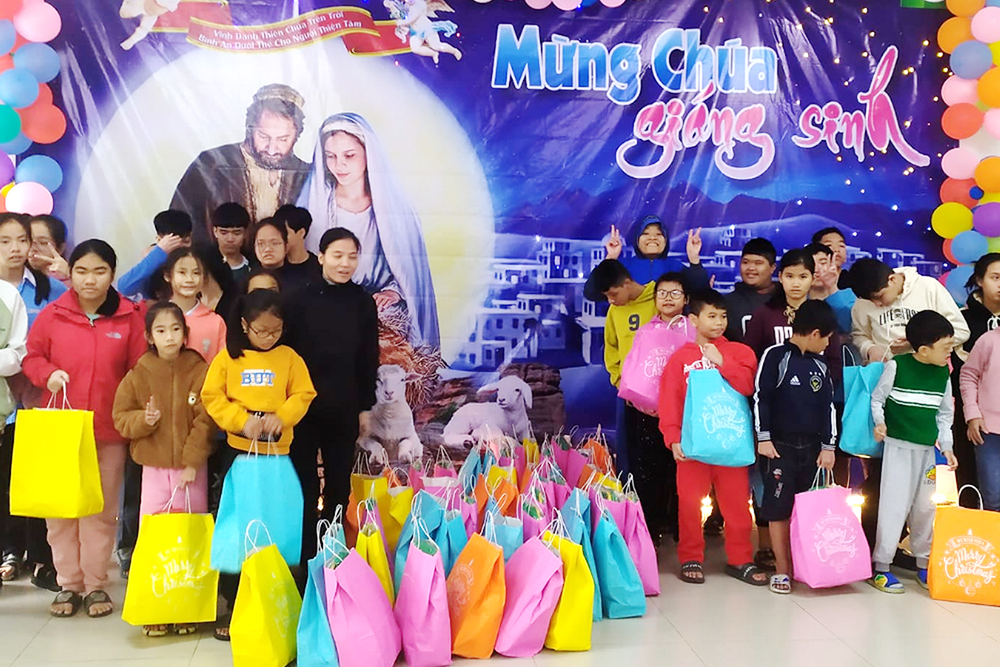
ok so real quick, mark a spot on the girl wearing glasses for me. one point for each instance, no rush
(256, 391)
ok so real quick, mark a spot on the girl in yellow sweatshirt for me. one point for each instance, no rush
(256, 391)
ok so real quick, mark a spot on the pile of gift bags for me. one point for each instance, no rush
(500, 554)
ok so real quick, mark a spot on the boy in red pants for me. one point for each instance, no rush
(738, 365)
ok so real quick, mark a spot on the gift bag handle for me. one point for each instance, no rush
(489, 530)
(823, 479)
(970, 486)
(170, 503)
(255, 447)
(250, 545)
(65, 402)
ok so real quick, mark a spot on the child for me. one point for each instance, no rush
(771, 324)
(230, 222)
(632, 306)
(256, 389)
(912, 409)
(649, 240)
(48, 243)
(755, 289)
(825, 286)
(653, 466)
(173, 230)
(301, 266)
(158, 408)
(887, 299)
(185, 273)
(736, 364)
(835, 240)
(792, 443)
(980, 383)
(263, 279)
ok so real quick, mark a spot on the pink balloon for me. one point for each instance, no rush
(957, 90)
(38, 22)
(613, 3)
(992, 122)
(960, 163)
(566, 5)
(986, 25)
(538, 4)
(29, 198)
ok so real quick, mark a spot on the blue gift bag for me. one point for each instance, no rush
(510, 531)
(857, 432)
(451, 538)
(576, 514)
(258, 488)
(620, 584)
(717, 428)
(313, 636)
(429, 511)
(470, 471)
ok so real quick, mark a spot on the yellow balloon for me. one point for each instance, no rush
(5, 189)
(951, 219)
(990, 198)
(993, 244)
(995, 48)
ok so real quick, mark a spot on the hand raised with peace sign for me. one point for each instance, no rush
(614, 244)
(694, 244)
(152, 412)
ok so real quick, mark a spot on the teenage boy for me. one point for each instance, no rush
(230, 223)
(737, 365)
(632, 305)
(173, 230)
(887, 299)
(793, 443)
(835, 240)
(755, 289)
(301, 266)
(913, 409)
(826, 288)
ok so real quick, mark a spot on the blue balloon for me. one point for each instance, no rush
(971, 59)
(39, 59)
(18, 88)
(17, 145)
(969, 246)
(40, 169)
(956, 282)
(7, 36)
(993, 3)
(976, 192)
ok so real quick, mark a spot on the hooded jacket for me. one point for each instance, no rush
(740, 306)
(980, 320)
(644, 269)
(873, 325)
(96, 354)
(183, 436)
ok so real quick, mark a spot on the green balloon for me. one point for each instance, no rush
(10, 123)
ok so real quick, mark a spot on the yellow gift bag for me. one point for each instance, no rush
(371, 548)
(400, 501)
(54, 474)
(171, 580)
(965, 555)
(573, 620)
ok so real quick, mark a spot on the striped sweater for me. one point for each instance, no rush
(914, 401)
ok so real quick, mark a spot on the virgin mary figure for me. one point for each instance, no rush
(352, 185)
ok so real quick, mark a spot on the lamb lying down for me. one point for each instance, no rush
(508, 415)
(392, 435)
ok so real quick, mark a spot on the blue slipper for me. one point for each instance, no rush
(887, 583)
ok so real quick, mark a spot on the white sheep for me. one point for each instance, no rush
(509, 415)
(391, 425)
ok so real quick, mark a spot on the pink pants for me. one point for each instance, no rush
(81, 548)
(158, 485)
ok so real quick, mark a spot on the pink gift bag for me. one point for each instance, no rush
(361, 620)
(828, 546)
(654, 344)
(640, 545)
(422, 608)
(534, 576)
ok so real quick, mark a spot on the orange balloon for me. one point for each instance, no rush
(989, 87)
(6, 63)
(965, 7)
(955, 190)
(44, 125)
(44, 96)
(9, 7)
(961, 121)
(953, 32)
(988, 174)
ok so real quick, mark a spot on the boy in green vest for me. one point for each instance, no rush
(913, 409)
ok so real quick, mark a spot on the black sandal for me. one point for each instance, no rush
(45, 577)
(71, 598)
(94, 598)
(222, 629)
(691, 568)
(746, 573)
(10, 568)
(765, 560)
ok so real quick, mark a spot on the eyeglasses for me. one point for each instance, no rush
(672, 293)
(269, 245)
(266, 334)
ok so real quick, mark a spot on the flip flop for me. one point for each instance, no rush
(745, 573)
(689, 568)
(71, 598)
(97, 597)
(780, 584)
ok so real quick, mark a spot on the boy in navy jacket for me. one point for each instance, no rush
(796, 424)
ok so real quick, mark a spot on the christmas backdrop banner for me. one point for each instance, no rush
(498, 143)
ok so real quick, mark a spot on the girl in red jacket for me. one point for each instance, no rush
(83, 344)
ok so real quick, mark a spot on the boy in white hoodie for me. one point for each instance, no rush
(887, 299)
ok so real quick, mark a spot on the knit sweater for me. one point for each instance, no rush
(276, 381)
(183, 435)
(914, 402)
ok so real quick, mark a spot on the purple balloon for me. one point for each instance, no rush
(6, 169)
(986, 219)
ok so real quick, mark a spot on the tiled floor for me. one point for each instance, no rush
(723, 623)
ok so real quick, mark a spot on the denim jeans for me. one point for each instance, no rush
(988, 464)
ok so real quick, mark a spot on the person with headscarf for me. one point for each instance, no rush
(352, 186)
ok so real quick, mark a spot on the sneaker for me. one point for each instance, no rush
(922, 577)
(887, 583)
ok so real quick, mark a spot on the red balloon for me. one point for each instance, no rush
(6, 63)
(9, 7)
(955, 190)
(947, 252)
(961, 121)
(44, 125)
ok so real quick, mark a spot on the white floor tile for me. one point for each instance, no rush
(778, 652)
(925, 650)
(985, 619)
(183, 662)
(675, 654)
